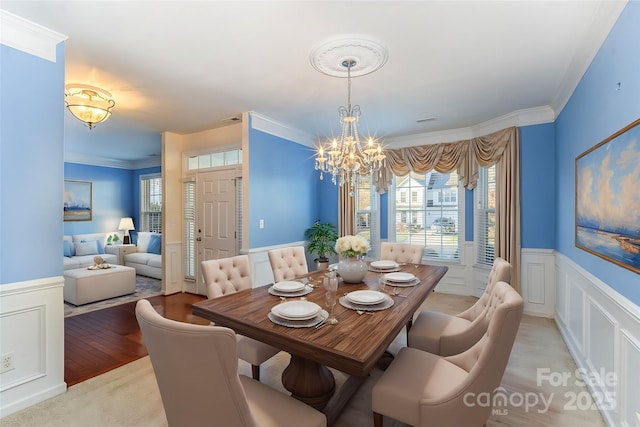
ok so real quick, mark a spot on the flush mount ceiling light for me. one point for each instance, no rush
(88, 104)
(347, 158)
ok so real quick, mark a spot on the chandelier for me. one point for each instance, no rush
(347, 158)
(89, 104)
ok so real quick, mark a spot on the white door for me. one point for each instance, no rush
(215, 218)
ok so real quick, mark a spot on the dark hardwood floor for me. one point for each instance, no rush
(102, 340)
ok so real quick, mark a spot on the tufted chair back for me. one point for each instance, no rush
(288, 263)
(188, 389)
(226, 275)
(401, 252)
(500, 272)
(424, 389)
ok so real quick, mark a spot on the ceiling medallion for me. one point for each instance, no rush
(347, 158)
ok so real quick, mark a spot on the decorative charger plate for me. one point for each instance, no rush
(320, 317)
(386, 303)
(413, 282)
(399, 277)
(365, 297)
(384, 264)
(307, 290)
(296, 310)
(288, 286)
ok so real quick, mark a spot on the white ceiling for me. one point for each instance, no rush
(185, 66)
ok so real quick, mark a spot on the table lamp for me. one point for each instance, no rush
(126, 224)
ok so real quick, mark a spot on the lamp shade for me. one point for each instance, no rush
(126, 224)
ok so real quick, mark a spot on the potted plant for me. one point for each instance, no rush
(322, 238)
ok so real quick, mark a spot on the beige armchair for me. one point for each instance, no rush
(229, 275)
(288, 263)
(445, 335)
(196, 368)
(423, 389)
(401, 252)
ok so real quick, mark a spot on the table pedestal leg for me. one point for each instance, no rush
(309, 382)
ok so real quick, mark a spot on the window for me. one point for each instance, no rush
(431, 218)
(151, 203)
(213, 160)
(485, 215)
(189, 219)
(365, 200)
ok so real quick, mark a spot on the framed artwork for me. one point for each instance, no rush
(608, 198)
(77, 201)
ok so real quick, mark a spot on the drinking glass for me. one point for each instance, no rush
(331, 287)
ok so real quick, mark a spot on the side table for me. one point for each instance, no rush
(120, 251)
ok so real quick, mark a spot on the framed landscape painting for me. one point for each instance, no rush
(608, 198)
(77, 201)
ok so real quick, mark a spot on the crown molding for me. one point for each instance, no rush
(270, 126)
(87, 159)
(29, 37)
(525, 117)
(602, 21)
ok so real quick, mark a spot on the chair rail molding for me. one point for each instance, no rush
(602, 331)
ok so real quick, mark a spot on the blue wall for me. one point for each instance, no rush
(537, 185)
(31, 157)
(116, 194)
(596, 110)
(112, 197)
(282, 190)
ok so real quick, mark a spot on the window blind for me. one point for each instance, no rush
(486, 215)
(189, 221)
(151, 203)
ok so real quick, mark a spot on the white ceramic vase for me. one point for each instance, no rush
(352, 269)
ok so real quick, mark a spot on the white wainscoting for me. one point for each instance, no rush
(602, 331)
(32, 331)
(172, 275)
(537, 281)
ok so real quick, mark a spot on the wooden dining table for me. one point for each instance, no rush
(354, 345)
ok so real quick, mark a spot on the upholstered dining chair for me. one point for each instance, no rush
(401, 252)
(444, 334)
(196, 368)
(288, 263)
(229, 275)
(424, 389)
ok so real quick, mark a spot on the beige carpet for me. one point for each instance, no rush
(129, 396)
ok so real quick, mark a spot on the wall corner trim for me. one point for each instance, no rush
(28, 36)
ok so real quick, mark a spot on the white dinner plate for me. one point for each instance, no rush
(288, 286)
(399, 277)
(384, 264)
(296, 310)
(365, 297)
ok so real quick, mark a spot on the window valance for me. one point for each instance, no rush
(464, 156)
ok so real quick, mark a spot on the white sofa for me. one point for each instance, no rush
(81, 249)
(147, 260)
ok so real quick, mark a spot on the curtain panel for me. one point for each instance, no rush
(467, 156)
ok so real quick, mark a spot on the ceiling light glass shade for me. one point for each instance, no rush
(88, 104)
(347, 158)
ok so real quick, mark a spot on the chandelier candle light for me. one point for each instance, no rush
(348, 158)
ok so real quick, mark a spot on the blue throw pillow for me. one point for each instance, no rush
(155, 244)
(67, 248)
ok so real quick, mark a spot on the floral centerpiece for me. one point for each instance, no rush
(351, 266)
(349, 246)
